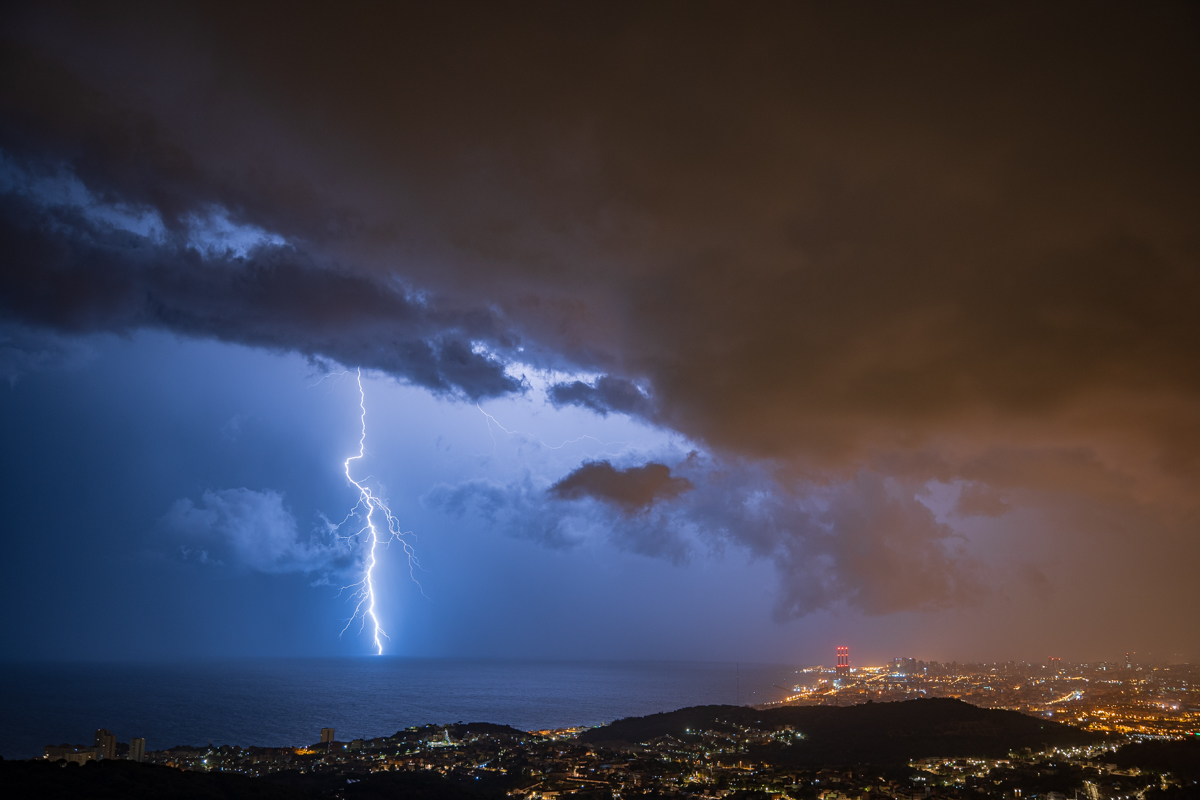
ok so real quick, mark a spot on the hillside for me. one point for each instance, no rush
(873, 733)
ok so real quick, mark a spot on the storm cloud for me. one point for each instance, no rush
(631, 489)
(606, 395)
(859, 251)
(868, 544)
(94, 276)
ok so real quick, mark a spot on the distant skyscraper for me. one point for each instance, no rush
(843, 662)
(106, 744)
(137, 749)
(326, 735)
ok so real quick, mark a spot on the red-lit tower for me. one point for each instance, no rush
(843, 662)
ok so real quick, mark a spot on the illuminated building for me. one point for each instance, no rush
(106, 744)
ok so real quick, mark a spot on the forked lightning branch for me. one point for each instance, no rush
(371, 536)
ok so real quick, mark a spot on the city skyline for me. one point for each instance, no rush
(1135, 697)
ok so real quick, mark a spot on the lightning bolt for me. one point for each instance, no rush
(368, 504)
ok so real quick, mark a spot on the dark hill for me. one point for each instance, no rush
(126, 780)
(873, 733)
(1181, 757)
(461, 730)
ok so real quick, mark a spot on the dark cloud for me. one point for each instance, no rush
(867, 544)
(69, 273)
(604, 396)
(797, 253)
(541, 514)
(631, 489)
(876, 550)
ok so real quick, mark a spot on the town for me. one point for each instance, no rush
(1100, 731)
(1133, 697)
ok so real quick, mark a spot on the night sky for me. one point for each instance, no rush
(687, 330)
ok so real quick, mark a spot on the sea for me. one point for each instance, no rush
(286, 702)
